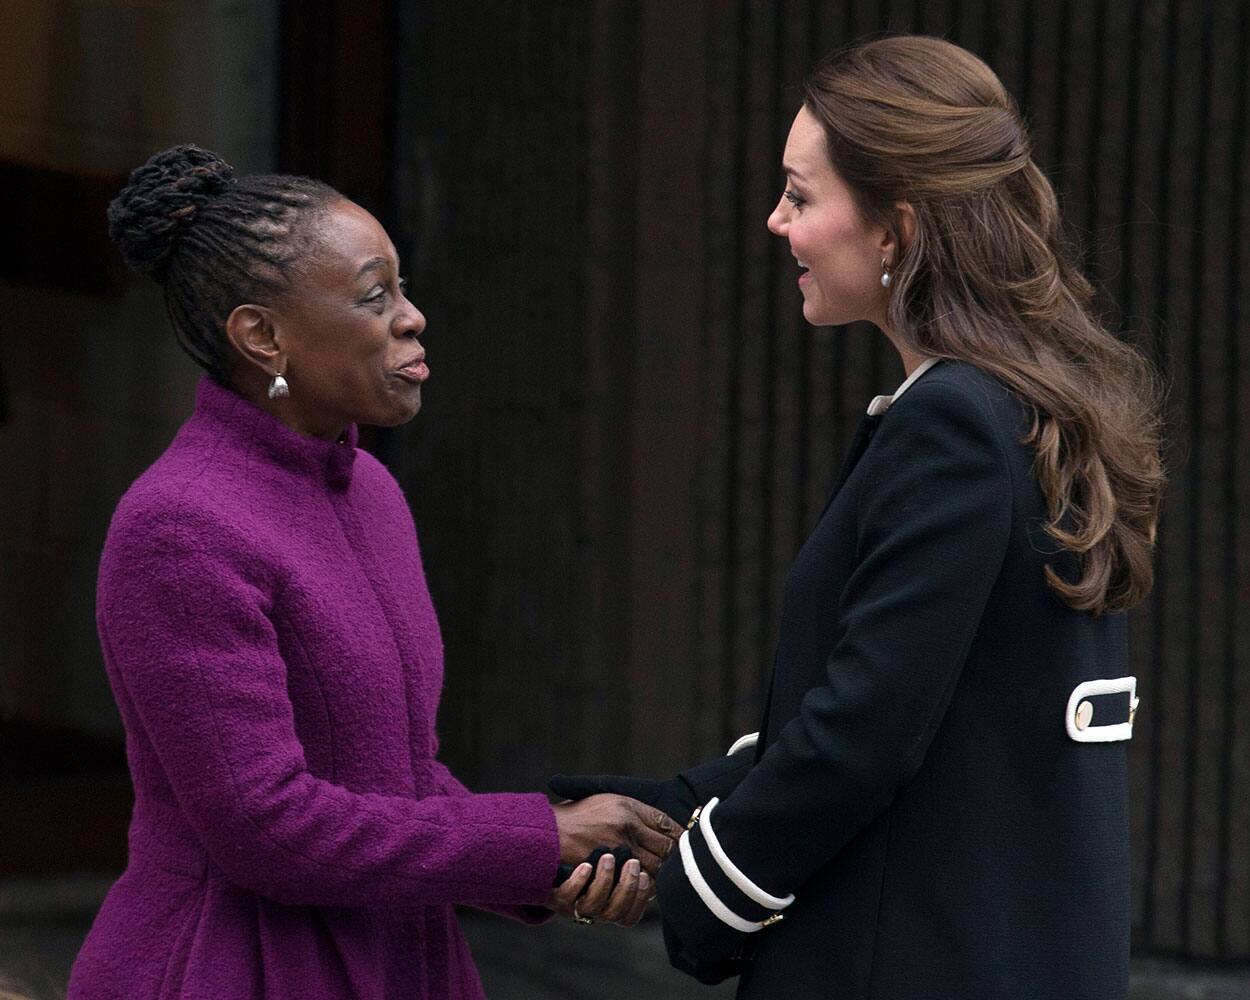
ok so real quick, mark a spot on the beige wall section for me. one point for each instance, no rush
(96, 85)
(96, 387)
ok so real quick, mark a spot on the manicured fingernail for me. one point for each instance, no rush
(634, 867)
(644, 881)
(609, 862)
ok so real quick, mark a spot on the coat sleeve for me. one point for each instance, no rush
(933, 519)
(719, 776)
(449, 784)
(185, 621)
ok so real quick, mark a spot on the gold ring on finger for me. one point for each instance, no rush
(578, 917)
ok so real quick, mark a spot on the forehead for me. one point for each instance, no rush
(351, 237)
(805, 146)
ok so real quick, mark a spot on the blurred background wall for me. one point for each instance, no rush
(629, 429)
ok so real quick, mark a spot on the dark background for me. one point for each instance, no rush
(629, 428)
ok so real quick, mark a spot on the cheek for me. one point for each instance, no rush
(348, 360)
(817, 237)
(362, 347)
(843, 255)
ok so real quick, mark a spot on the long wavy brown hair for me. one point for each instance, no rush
(990, 279)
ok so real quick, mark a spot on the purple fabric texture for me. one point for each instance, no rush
(274, 653)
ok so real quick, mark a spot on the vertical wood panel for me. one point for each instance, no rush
(1236, 759)
(1184, 507)
(742, 407)
(718, 343)
(595, 678)
(1115, 230)
(491, 461)
(1151, 299)
(663, 409)
(1211, 199)
(1041, 88)
(717, 346)
(1079, 116)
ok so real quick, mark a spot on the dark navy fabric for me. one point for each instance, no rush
(915, 786)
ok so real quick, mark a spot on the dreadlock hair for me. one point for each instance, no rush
(213, 241)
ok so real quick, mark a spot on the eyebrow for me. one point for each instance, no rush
(373, 264)
(791, 171)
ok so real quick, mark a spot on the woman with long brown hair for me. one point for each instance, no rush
(936, 803)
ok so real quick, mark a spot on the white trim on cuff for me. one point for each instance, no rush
(1101, 734)
(743, 742)
(719, 910)
(732, 871)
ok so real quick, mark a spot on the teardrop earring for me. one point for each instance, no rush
(885, 274)
(278, 388)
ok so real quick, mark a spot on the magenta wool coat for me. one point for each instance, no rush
(277, 662)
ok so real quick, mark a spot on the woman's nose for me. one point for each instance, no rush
(412, 324)
(776, 221)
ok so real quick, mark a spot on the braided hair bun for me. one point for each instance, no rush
(214, 241)
(160, 200)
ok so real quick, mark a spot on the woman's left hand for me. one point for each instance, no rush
(623, 905)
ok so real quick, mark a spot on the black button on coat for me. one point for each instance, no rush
(914, 786)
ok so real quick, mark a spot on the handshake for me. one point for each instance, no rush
(615, 832)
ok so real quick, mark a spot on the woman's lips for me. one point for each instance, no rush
(416, 372)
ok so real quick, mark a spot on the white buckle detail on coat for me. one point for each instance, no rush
(1101, 734)
(742, 742)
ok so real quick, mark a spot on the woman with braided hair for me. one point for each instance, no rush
(935, 807)
(273, 649)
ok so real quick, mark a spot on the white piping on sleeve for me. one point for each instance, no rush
(719, 910)
(732, 871)
(742, 742)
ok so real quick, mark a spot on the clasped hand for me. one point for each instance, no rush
(608, 821)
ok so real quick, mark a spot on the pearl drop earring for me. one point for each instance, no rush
(885, 274)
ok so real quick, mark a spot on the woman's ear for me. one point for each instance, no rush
(898, 238)
(250, 329)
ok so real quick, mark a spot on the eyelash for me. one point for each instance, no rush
(793, 198)
(381, 295)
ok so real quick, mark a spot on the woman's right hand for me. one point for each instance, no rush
(623, 904)
(611, 820)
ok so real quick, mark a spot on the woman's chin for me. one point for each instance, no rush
(813, 314)
(397, 415)
(410, 411)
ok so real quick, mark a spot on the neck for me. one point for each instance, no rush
(911, 361)
(256, 392)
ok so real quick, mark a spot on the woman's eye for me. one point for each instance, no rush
(793, 198)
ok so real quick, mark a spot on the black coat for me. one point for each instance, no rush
(916, 786)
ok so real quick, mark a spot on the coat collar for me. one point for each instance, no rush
(880, 404)
(229, 415)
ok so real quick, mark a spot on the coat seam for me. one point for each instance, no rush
(876, 923)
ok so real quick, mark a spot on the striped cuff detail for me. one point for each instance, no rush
(724, 877)
(732, 871)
